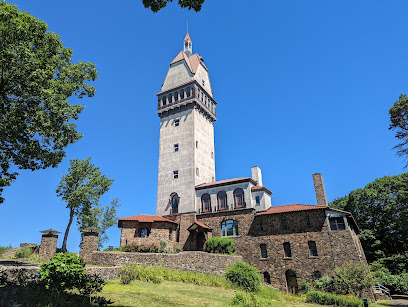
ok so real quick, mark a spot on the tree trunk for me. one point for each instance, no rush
(64, 243)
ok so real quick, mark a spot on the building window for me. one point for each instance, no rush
(308, 223)
(258, 200)
(260, 225)
(203, 82)
(144, 232)
(164, 100)
(174, 201)
(177, 122)
(229, 228)
(312, 248)
(196, 144)
(212, 155)
(316, 275)
(213, 179)
(239, 198)
(188, 92)
(267, 278)
(287, 250)
(176, 147)
(197, 172)
(284, 223)
(170, 234)
(182, 94)
(206, 203)
(175, 174)
(337, 223)
(264, 252)
(222, 200)
(175, 96)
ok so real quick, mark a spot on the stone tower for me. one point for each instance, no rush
(187, 114)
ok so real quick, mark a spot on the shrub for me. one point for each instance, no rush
(324, 298)
(244, 300)
(352, 278)
(396, 283)
(220, 245)
(244, 275)
(3, 249)
(305, 286)
(23, 252)
(34, 258)
(324, 283)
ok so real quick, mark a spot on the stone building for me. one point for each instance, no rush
(286, 243)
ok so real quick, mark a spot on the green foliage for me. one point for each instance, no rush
(244, 275)
(3, 249)
(23, 252)
(399, 124)
(37, 80)
(324, 298)
(116, 249)
(396, 264)
(64, 271)
(381, 211)
(34, 258)
(157, 5)
(81, 189)
(158, 273)
(305, 286)
(245, 300)
(101, 218)
(220, 245)
(398, 283)
(352, 278)
(324, 283)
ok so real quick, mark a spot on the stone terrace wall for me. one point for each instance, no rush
(195, 261)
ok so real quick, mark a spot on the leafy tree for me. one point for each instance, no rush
(381, 211)
(100, 217)
(36, 79)
(399, 123)
(81, 188)
(157, 5)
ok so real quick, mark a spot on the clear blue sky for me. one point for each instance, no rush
(302, 87)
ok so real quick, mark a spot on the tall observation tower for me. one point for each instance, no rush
(187, 114)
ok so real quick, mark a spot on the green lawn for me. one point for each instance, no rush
(169, 293)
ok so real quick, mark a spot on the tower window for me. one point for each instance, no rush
(264, 252)
(175, 174)
(176, 147)
(212, 155)
(196, 144)
(203, 82)
(177, 122)
(258, 200)
(197, 172)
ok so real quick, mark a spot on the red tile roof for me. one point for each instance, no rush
(192, 62)
(144, 218)
(292, 208)
(200, 224)
(259, 188)
(224, 182)
(187, 38)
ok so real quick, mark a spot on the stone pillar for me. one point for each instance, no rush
(319, 189)
(89, 245)
(48, 246)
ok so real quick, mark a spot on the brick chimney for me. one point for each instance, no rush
(257, 175)
(319, 189)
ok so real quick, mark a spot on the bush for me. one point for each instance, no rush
(324, 284)
(220, 245)
(398, 284)
(352, 278)
(324, 298)
(35, 258)
(244, 275)
(3, 249)
(244, 300)
(305, 286)
(23, 252)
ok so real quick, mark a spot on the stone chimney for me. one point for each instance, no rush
(319, 189)
(257, 175)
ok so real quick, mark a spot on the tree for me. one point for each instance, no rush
(100, 217)
(36, 79)
(399, 123)
(81, 188)
(381, 211)
(157, 5)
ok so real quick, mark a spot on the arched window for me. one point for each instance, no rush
(267, 278)
(170, 98)
(206, 203)
(188, 92)
(222, 200)
(239, 198)
(316, 275)
(182, 94)
(287, 250)
(174, 203)
(175, 96)
(144, 232)
(164, 100)
(229, 228)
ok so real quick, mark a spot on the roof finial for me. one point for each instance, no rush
(187, 26)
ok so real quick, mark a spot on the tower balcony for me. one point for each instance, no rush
(189, 93)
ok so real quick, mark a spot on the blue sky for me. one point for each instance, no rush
(302, 87)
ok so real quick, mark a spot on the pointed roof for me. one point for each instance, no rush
(187, 38)
(192, 62)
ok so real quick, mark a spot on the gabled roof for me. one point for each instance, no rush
(259, 188)
(144, 218)
(192, 62)
(224, 182)
(197, 224)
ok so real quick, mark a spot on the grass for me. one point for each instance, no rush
(171, 293)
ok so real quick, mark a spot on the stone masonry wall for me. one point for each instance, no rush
(89, 245)
(48, 246)
(195, 261)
